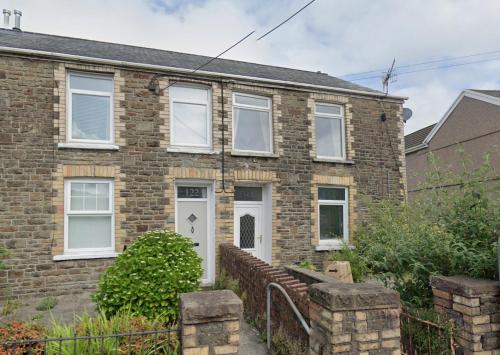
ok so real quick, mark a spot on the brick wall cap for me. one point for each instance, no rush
(360, 296)
(314, 275)
(465, 286)
(210, 306)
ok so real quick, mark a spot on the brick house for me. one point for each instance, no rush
(471, 124)
(101, 142)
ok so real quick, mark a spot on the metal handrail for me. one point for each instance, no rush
(290, 302)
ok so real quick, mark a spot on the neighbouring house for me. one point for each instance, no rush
(471, 125)
(101, 142)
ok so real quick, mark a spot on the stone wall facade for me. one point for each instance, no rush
(474, 306)
(34, 157)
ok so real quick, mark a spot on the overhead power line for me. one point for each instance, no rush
(154, 85)
(428, 69)
(286, 20)
(423, 63)
(214, 58)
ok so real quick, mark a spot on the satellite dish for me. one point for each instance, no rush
(407, 113)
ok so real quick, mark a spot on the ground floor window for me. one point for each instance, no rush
(88, 216)
(333, 215)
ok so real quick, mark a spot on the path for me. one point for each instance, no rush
(250, 342)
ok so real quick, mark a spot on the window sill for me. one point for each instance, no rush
(94, 146)
(254, 154)
(191, 151)
(84, 256)
(332, 160)
(328, 247)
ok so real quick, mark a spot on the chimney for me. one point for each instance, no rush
(17, 24)
(6, 18)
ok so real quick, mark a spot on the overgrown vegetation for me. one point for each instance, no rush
(429, 333)
(283, 344)
(122, 322)
(10, 306)
(47, 304)
(149, 276)
(445, 231)
(225, 282)
(308, 265)
(359, 269)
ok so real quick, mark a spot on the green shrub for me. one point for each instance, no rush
(403, 250)
(450, 228)
(148, 277)
(359, 269)
(47, 304)
(308, 265)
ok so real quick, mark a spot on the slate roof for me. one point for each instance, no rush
(417, 137)
(494, 93)
(149, 56)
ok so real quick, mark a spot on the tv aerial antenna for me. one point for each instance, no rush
(390, 76)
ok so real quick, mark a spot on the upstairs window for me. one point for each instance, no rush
(90, 108)
(89, 216)
(333, 219)
(329, 131)
(252, 131)
(190, 113)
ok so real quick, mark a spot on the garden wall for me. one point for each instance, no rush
(253, 276)
(474, 306)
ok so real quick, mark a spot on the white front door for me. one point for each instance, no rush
(193, 220)
(248, 233)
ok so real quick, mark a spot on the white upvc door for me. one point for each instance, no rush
(248, 227)
(194, 219)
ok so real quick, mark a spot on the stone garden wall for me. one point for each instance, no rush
(474, 306)
(210, 322)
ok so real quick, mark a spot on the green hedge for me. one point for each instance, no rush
(148, 277)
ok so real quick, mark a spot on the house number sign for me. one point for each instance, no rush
(191, 192)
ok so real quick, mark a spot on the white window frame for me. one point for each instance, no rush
(69, 111)
(67, 212)
(342, 128)
(255, 108)
(208, 105)
(345, 206)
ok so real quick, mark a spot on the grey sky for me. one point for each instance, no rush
(335, 36)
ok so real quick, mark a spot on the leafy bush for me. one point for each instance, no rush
(18, 331)
(444, 231)
(148, 277)
(308, 265)
(403, 250)
(359, 269)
